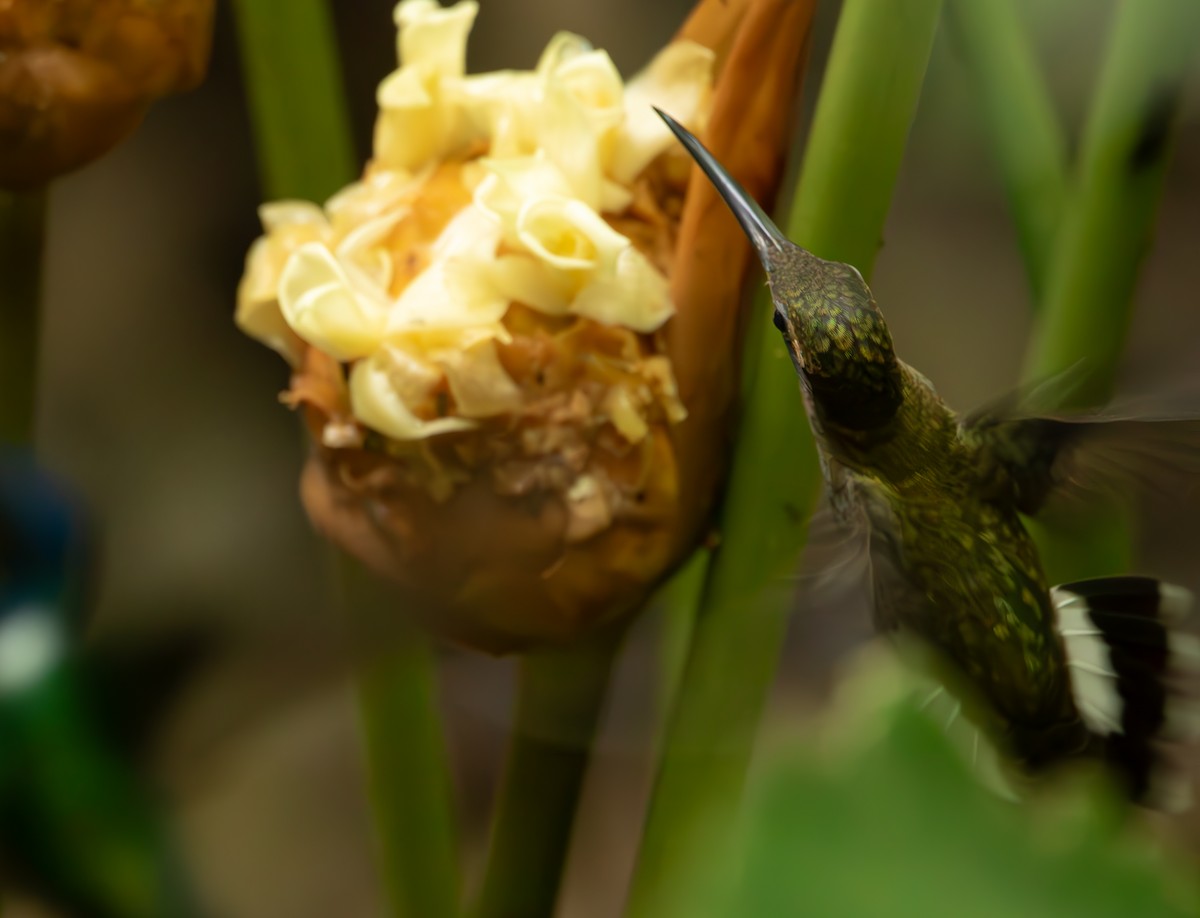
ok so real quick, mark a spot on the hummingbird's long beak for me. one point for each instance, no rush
(763, 233)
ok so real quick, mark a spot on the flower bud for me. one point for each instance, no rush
(76, 76)
(515, 341)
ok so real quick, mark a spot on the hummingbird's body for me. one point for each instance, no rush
(940, 506)
(1051, 673)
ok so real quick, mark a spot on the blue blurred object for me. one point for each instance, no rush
(77, 827)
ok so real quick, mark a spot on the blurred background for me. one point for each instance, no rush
(167, 418)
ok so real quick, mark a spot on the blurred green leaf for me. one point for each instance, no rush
(1024, 131)
(889, 821)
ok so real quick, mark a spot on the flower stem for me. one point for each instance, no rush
(559, 700)
(297, 104)
(1104, 235)
(289, 53)
(678, 602)
(1026, 136)
(1110, 211)
(859, 131)
(22, 229)
(408, 775)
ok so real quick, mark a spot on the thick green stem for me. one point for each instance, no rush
(1111, 209)
(1024, 132)
(407, 771)
(1104, 235)
(859, 131)
(678, 602)
(301, 127)
(560, 697)
(22, 227)
(289, 54)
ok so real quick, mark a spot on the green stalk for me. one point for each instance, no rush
(22, 229)
(1104, 235)
(559, 700)
(1024, 132)
(407, 772)
(860, 127)
(297, 100)
(678, 602)
(289, 54)
(1110, 213)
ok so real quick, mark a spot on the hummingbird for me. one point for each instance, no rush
(1051, 674)
(79, 828)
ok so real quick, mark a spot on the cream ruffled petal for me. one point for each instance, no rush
(566, 136)
(450, 291)
(633, 294)
(529, 280)
(258, 312)
(567, 234)
(679, 81)
(319, 303)
(478, 382)
(385, 384)
(434, 37)
(278, 215)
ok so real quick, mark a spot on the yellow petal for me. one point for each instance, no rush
(529, 280)
(383, 387)
(279, 215)
(568, 234)
(434, 38)
(472, 233)
(561, 48)
(566, 136)
(410, 130)
(633, 293)
(657, 371)
(480, 385)
(624, 415)
(593, 81)
(380, 192)
(319, 303)
(511, 182)
(417, 121)
(363, 255)
(614, 198)
(451, 291)
(258, 312)
(679, 81)
(432, 340)
(501, 106)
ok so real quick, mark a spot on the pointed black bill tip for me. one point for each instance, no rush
(763, 233)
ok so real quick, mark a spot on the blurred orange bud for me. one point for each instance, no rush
(516, 339)
(76, 76)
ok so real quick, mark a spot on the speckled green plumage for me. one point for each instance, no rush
(939, 501)
(953, 563)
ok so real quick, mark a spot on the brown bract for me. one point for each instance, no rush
(76, 76)
(552, 519)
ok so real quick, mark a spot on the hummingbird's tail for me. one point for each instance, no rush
(1133, 675)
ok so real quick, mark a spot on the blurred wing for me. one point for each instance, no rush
(1054, 460)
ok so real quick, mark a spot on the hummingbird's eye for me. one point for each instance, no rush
(777, 318)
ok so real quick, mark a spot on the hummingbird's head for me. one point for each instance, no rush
(838, 340)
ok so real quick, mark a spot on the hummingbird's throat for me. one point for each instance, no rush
(839, 343)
